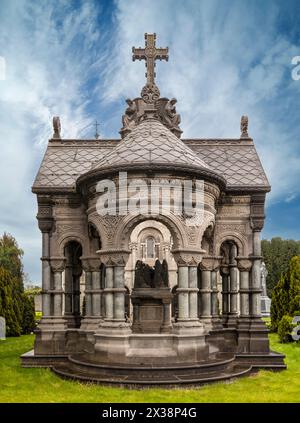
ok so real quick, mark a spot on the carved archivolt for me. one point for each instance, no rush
(178, 232)
(236, 237)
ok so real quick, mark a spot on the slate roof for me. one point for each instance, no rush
(234, 159)
(151, 143)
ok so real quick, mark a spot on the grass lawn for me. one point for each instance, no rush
(41, 385)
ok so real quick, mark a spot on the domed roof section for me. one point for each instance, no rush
(151, 143)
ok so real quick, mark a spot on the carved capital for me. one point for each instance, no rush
(90, 264)
(188, 257)
(244, 264)
(257, 211)
(224, 270)
(210, 263)
(114, 257)
(44, 215)
(57, 264)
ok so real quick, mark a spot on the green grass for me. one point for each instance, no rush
(18, 384)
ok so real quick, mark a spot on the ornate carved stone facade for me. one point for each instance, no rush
(207, 311)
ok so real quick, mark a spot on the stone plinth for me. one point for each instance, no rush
(151, 310)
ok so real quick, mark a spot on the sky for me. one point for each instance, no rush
(73, 59)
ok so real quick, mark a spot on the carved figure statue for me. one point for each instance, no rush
(142, 276)
(128, 119)
(56, 127)
(244, 126)
(171, 116)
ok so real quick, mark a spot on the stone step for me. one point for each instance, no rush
(141, 377)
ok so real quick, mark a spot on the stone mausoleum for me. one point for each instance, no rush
(148, 298)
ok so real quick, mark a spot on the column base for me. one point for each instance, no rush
(190, 326)
(232, 321)
(91, 323)
(52, 323)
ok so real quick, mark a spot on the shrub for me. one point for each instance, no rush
(28, 320)
(285, 328)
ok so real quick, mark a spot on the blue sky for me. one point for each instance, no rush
(73, 59)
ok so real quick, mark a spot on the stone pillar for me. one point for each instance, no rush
(256, 276)
(108, 291)
(233, 312)
(119, 294)
(57, 267)
(45, 221)
(183, 293)
(193, 293)
(187, 290)
(93, 312)
(225, 293)
(209, 290)
(215, 313)
(114, 261)
(244, 266)
(46, 276)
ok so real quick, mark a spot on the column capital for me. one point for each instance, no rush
(244, 264)
(210, 263)
(184, 257)
(224, 270)
(90, 264)
(114, 257)
(58, 264)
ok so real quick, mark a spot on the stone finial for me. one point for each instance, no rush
(56, 127)
(244, 127)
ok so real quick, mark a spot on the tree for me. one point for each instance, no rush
(9, 304)
(16, 306)
(286, 294)
(277, 253)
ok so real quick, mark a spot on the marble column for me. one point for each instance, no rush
(93, 312)
(108, 292)
(256, 276)
(57, 267)
(225, 293)
(96, 293)
(119, 294)
(233, 312)
(46, 275)
(183, 293)
(115, 262)
(216, 320)
(193, 293)
(244, 266)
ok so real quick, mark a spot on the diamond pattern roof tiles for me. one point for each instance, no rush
(150, 142)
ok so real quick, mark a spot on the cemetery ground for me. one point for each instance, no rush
(19, 384)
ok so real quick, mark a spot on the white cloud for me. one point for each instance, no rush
(226, 59)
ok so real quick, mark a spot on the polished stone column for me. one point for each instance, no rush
(214, 295)
(88, 296)
(233, 312)
(244, 266)
(96, 293)
(183, 293)
(57, 267)
(119, 294)
(256, 276)
(46, 275)
(108, 291)
(193, 293)
(225, 293)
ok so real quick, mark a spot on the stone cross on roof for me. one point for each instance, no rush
(150, 53)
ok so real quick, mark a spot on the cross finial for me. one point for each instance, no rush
(150, 53)
(96, 133)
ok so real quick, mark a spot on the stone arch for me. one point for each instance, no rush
(124, 230)
(68, 237)
(240, 242)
